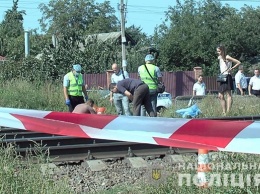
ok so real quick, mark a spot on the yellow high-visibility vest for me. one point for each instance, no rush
(146, 78)
(75, 87)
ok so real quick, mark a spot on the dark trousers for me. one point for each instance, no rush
(142, 97)
(244, 90)
(74, 101)
(256, 92)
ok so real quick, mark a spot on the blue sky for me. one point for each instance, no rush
(145, 13)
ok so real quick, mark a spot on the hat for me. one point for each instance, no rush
(149, 57)
(77, 67)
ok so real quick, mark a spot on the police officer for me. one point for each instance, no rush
(151, 79)
(73, 87)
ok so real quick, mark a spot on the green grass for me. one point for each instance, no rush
(210, 107)
(26, 177)
(49, 96)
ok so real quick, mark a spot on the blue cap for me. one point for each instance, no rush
(77, 67)
(149, 57)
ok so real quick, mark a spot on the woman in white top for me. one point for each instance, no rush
(225, 65)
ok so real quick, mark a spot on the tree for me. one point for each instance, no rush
(191, 34)
(136, 33)
(11, 30)
(248, 37)
(195, 30)
(71, 19)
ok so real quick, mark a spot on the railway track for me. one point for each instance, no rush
(103, 174)
(64, 148)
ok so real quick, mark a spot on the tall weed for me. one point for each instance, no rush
(24, 175)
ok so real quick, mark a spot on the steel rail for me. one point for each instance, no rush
(65, 148)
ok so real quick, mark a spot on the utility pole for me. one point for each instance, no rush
(27, 43)
(54, 40)
(123, 38)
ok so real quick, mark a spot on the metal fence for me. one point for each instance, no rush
(177, 83)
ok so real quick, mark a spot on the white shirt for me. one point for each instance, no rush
(118, 77)
(200, 88)
(224, 66)
(115, 78)
(255, 83)
(241, 79)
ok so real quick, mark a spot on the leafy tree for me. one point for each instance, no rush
(195, 30)
(137, 53)
(11, 32)
(186, 42)
(39, 42)
(136, 33)
(248, 41)
(12, 25)
(71, 19)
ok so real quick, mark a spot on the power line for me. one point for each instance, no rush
(30, 8)
(153, 7)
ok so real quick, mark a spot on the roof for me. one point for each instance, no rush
(2, 58)
(106, 36)
(103, 37)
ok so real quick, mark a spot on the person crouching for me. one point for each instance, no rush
(136, 91)
(87, 107)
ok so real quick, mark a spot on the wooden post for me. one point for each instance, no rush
(197, 72)
(109, 74)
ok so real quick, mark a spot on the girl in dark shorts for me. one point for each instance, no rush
(225, 65)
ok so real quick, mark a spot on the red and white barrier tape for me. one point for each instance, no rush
(187, 133)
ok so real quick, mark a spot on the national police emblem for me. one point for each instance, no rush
(156, 174)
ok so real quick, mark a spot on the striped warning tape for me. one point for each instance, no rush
(187, 133)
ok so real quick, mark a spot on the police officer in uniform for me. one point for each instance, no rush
(150, 79)
(73, 87)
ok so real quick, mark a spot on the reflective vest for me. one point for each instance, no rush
(146, 78)
(75, 87)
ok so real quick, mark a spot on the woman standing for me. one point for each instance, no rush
(225, 65)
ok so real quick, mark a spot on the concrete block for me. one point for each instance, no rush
(137, 162)
(95, 165)
(181, 158)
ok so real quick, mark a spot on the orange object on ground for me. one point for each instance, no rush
(101, 110)
(203, 167)
(95, 107)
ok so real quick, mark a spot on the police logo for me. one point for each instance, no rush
(156, 174)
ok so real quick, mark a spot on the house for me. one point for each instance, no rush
(111, 36)
(100, 38)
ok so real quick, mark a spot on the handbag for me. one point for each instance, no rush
(222, 77)
(160, 86)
